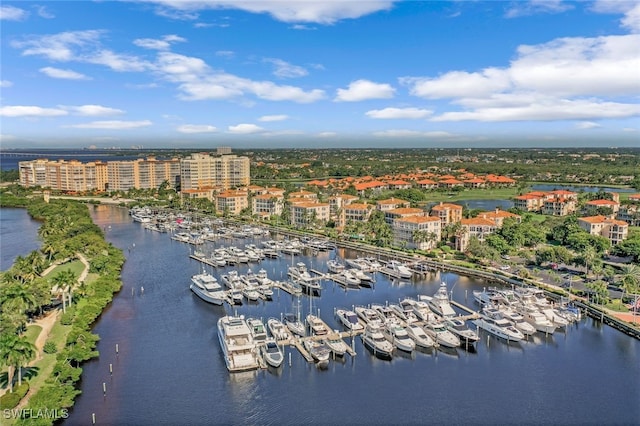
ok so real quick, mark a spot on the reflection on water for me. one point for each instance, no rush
(170, 369)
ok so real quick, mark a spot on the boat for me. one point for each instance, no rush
(349, 319)
(294, 325)
(439, 302)
(555, 317)
(232, 280)
(272, 353)
(316, 325)
(533, 316)
(361, 275)
(206, 287)
(374, 265)
(404, 311)
(421, 339)
(385, 313)
(460, 329)
(301, 275)
(396, 269)
(359, 263)
(319, 351)
(368, 315)
(278, 330)
(349, 278)
(398, 336)
(517, 320)
(251, 293)
(490, 296)
(239, 349)
(335, 266)
(439, 332)
(336, 344)
(236, 296)
(374, 340)
(422, 311)
(258, 330)
(263, 278)
(492, 321)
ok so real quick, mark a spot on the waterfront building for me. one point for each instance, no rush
(33, 173)
(594, 207)
(630, 213)
(62, 175)
(357, 212)
(391, 215)
(474, 227)
(417, 232)
(306, 195)
(267, 205)
(202, 170)
(529, 202)
(498, 216)
(232, 202)
(612, 229)
(306, 213)
(447, 212)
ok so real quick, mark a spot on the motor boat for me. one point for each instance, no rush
(317, 326)
(278, 330)
(258, 330)
(422, 339)
(533, 316)
(349, 319)
(517, 320)
(422, 311)
(336, 344)
(206, 287)
(272, 353)
(396, 269)
(319, 351)
(439, 302)
(349, 278)
(492, 321)
(490, 296)
(441, 334)
(460, 329)
(238, 347)
(368, 315)
(374, 340)
(335, 266)
(397, 335)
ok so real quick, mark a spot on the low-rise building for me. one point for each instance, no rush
(417, 232)
(475, 227)
(559, 206)
(594, 207)
(447, 212)
(304, 214)
(232, 202)
(267, 205)
(391, 215)
(612, 229)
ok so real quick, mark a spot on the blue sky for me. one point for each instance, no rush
(320, 74)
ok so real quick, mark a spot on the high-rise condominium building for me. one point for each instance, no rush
(202, 171)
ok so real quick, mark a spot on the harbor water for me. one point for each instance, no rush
(18, 235)
(169, 370)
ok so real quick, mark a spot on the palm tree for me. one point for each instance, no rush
(630, 279)
(18, 296)
(15, 351)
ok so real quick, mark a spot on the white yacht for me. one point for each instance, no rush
(439, 302)
(368, 315)
(335, 266)
(422, 339)
(349, 319)
(336, 344)
(317, 326)
(239, 350)
(460, 329)
(517, 320)
(232, 280)
(319, 351)
(359, 263)
(439, 332)
(362, 276)
(272, 353)
(258, 330)
(404, 310)
(206, 287)
(349, 278)
(300, 274)
(422, 311)
(492, 321)
(397, 335)
(536, 318)
(375, 341)
(396, 269)
(490, 296)
(278, 330)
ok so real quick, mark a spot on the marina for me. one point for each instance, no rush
(173, 321)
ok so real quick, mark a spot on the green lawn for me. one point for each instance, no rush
(76, 267)
(473, 194)
(32, 333)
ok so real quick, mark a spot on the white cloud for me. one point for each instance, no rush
(403, 133)
(303, 27)
(63, 74)
(399, 113)
(30, 111)
(326, 135)
(5, 83)
(361, 90)
(12, 13)
(533, 7)
(321, 12)
(117, 62)
(93, 110)
(58, 47)
(43, 12)
(155, 44)
(284, 69)
(112, 125)
(587, 125)
(245, 129)
(196, 128)
(629, 9)
(267, 118)
(458, 84)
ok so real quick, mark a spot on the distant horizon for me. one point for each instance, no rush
(364, 74)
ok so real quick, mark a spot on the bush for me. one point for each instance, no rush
(10, 400)
(50, 348)
(67, 317)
